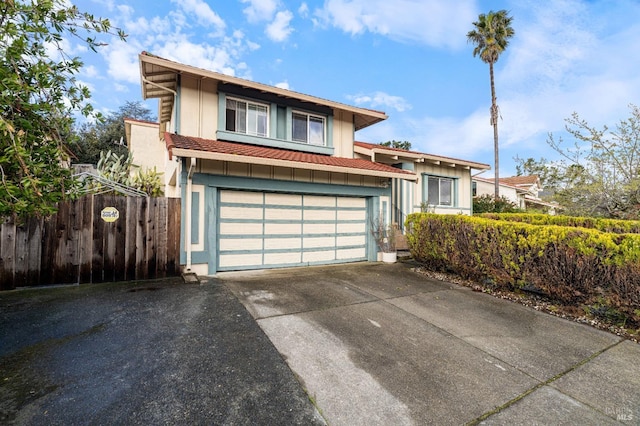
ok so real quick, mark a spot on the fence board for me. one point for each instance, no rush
(77, 246)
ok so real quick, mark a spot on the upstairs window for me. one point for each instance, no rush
(308, 128)
(247, 117)
(439, 191)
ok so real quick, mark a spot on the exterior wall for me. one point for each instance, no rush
(198, 107)
(510, 193)
(462, 188)
(198, 116)
(224, 168)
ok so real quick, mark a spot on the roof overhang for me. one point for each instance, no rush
(159, 79)
(381, 153)
(243, 159)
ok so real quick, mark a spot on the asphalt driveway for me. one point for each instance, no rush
(380, 344)
(155, 352)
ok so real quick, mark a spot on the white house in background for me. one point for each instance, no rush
(523, 191)
(272, 178)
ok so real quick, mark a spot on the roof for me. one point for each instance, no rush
(159, 79)
(416, 156)
(521, 180)
(187, 146)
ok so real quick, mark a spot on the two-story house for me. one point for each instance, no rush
(269, 177)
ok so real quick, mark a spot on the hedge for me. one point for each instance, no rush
(576, 266)
(601, 224)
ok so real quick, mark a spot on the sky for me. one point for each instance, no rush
(408, 58)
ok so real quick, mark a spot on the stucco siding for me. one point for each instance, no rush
(198, 108)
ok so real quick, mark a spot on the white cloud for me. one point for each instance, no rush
(204, 15)
(303, 10)
(283, 85)
(381, 99)
(279, 29)
(430, 22)
(260, 10)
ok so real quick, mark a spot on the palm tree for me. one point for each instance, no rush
(491, 37)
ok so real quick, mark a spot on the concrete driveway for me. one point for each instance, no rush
(377, 344)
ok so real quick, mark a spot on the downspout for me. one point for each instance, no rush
(188, 224)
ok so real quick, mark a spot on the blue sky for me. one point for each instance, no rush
(408, 58)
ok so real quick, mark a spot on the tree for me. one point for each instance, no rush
(406, 145)
(96, 137)
(599, 175)
(38, 97)
(488, 204)
(491, 37)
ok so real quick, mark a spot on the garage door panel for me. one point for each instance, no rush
(237, 212)
(240, 260)
(319, 215)
(288, 258)
(282, 214)
(282, 243)
(264, 230)
(282, 228)
(235, 228)
(318, 256)
(230, 244)
(354, 253)
(282, 199)
(351, 228)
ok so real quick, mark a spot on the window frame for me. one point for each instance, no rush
(247, 124)
(441, 179)
(309, 116)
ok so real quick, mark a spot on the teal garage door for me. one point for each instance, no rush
(259, 230)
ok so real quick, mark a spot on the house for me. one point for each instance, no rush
(523, 191)
(269, 177)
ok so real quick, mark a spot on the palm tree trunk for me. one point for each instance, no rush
(494, 123)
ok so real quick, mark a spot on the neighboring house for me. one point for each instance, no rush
(270, 178)
(523, 191)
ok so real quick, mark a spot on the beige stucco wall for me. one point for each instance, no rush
(198, 115)
(149, 151)
(463, 177)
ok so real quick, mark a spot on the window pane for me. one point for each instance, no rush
(241, 118)
(231, 116)
(299, 128)
(433, 191)
(446, 189)
(262, 121)
(316, 130)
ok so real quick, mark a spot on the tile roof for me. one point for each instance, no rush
(255, 151)
(520, 180)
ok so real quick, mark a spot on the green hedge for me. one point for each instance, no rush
(575, 266)
(605, 225)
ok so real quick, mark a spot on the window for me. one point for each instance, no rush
(308, 128)
(246, 117)
(439, 191)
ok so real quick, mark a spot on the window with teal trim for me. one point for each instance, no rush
(308, 128)
(247, 117)
(439, 191)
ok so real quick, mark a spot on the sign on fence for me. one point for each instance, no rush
(109, 214)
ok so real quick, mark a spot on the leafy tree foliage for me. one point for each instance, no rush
(38, 96)
(406, 145)
(107, 135)
(489, 204)
(118, 168)
(599, 174)
(491, 36)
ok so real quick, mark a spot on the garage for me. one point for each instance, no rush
(258, 230)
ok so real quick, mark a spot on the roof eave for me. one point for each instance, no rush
(206, 155)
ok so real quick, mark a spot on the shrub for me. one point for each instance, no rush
(573, 265)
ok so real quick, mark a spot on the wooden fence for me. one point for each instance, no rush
(77, 245)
